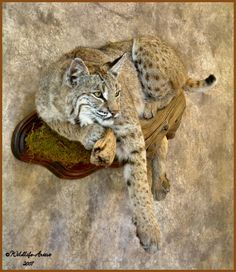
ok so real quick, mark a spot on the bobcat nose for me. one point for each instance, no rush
(114, 112)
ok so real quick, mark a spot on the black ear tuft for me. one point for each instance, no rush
(211, 79)
(117, 65)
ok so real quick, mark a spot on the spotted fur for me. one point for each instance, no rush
(88, 90)
(162, 74)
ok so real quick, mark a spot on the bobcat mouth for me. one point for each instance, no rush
(104, 115)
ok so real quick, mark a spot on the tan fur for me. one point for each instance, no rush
(149, 78)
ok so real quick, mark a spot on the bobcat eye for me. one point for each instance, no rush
(98, 94)
(117, 94)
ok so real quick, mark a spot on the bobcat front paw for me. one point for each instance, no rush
(150, 110)
(149, 236)
(104, 150)
(160, 188)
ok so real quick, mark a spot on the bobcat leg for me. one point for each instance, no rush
(149, 171)
(160, 183)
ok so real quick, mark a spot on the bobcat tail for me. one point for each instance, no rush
(200, 86)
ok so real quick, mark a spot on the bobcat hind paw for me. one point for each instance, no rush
(149, 111)
(161, 188)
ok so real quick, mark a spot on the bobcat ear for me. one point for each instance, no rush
(77, 68)
(116, 68)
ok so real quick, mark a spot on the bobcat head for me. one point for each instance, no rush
(93, 97)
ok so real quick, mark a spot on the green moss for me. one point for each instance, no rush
(44, 143)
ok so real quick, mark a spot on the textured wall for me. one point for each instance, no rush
(87, 223)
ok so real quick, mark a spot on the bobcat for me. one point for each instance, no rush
(89, 90)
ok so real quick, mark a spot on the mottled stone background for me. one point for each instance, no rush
(87, 223)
